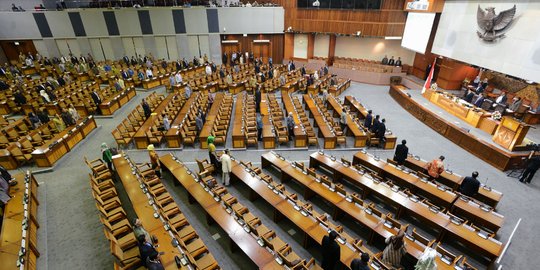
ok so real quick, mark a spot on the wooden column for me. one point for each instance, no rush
(310, 45)
(331, 49)
(288, 53)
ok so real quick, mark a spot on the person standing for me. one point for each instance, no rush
(212, 153)
(258, 100)
(166, 123)
(361, 263)
(435, 167)
(394, 250)
(368, 120)
(375, 125)
(226, 167)
(470, 185)
(290, 125)
(154, 160)
(106, 155)
(401, 153)
(146, 108)
(330, 250)
(532, 166)
(259, 127)
(343, 121)
(199, 123)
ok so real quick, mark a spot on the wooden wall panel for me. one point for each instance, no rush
(246, 44)
(12, 51)
(388, 21)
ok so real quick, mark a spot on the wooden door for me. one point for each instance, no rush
(229, 48)
(263, 50)
(12, 51)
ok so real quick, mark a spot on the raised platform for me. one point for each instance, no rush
(467, 137)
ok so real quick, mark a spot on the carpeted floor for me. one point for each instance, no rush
(71, 235)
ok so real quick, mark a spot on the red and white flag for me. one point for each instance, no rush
(427, 84)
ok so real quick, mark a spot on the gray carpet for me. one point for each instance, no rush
(71, 236)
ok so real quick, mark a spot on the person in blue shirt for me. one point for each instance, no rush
(140, 75)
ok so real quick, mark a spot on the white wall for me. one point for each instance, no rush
(372, 49)
(300, 46)
(253, 20)
(18, 25)
(321, 46)
(518, 54)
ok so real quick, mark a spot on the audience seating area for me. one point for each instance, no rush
(259, 243)
(18, 237)
(125, 131)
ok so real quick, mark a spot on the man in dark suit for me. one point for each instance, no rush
(368, 120)
(401, 152)
(124, 74)
(470, 185)
(126, 59)
(391, 61)
(303, 70)
(381, 130)
(258, 100)
(145, 248)
(375, 125)
(331, 251)
(3, 85)
(469, 96)
(479, 101)
(20, 99)
(97, 101)
(146, 108)
(532, 166)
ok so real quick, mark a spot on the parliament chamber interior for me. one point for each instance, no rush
(273, 134)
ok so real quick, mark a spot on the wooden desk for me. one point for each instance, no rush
(145, 213)
(324, 130)
(268, 133)
(485, 194)
(300, 136)
(489, 248)
(174, 140)
(440, 197)
(11, 234)
(151, 83)
(7, 160)
(283, 207)
(358, 212)
(210, 118)
(500, 159)
(354, 128)
(55, 148)
(141, 140)
(113, 103)
(216, 212)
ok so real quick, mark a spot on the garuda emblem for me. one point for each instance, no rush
(492, 25)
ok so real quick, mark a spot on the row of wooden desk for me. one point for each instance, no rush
(216, 212)
(406, 203)
(141, 140)
(357, 107)
(211, 117)
(381, 227)
(437, 194)
(15, 236)
(485, 194)
(353, 127)
(300, 135)
(313, 225)
(115, 102)
(325, 131)
(149, 214)
(174, 140)
(55, 148)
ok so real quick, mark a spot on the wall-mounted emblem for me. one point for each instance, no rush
(493, 26)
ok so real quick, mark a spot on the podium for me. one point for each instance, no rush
(510, 133)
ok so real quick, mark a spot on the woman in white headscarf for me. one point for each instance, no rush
(45, 96)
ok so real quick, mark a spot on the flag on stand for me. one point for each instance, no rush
(427, 84)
